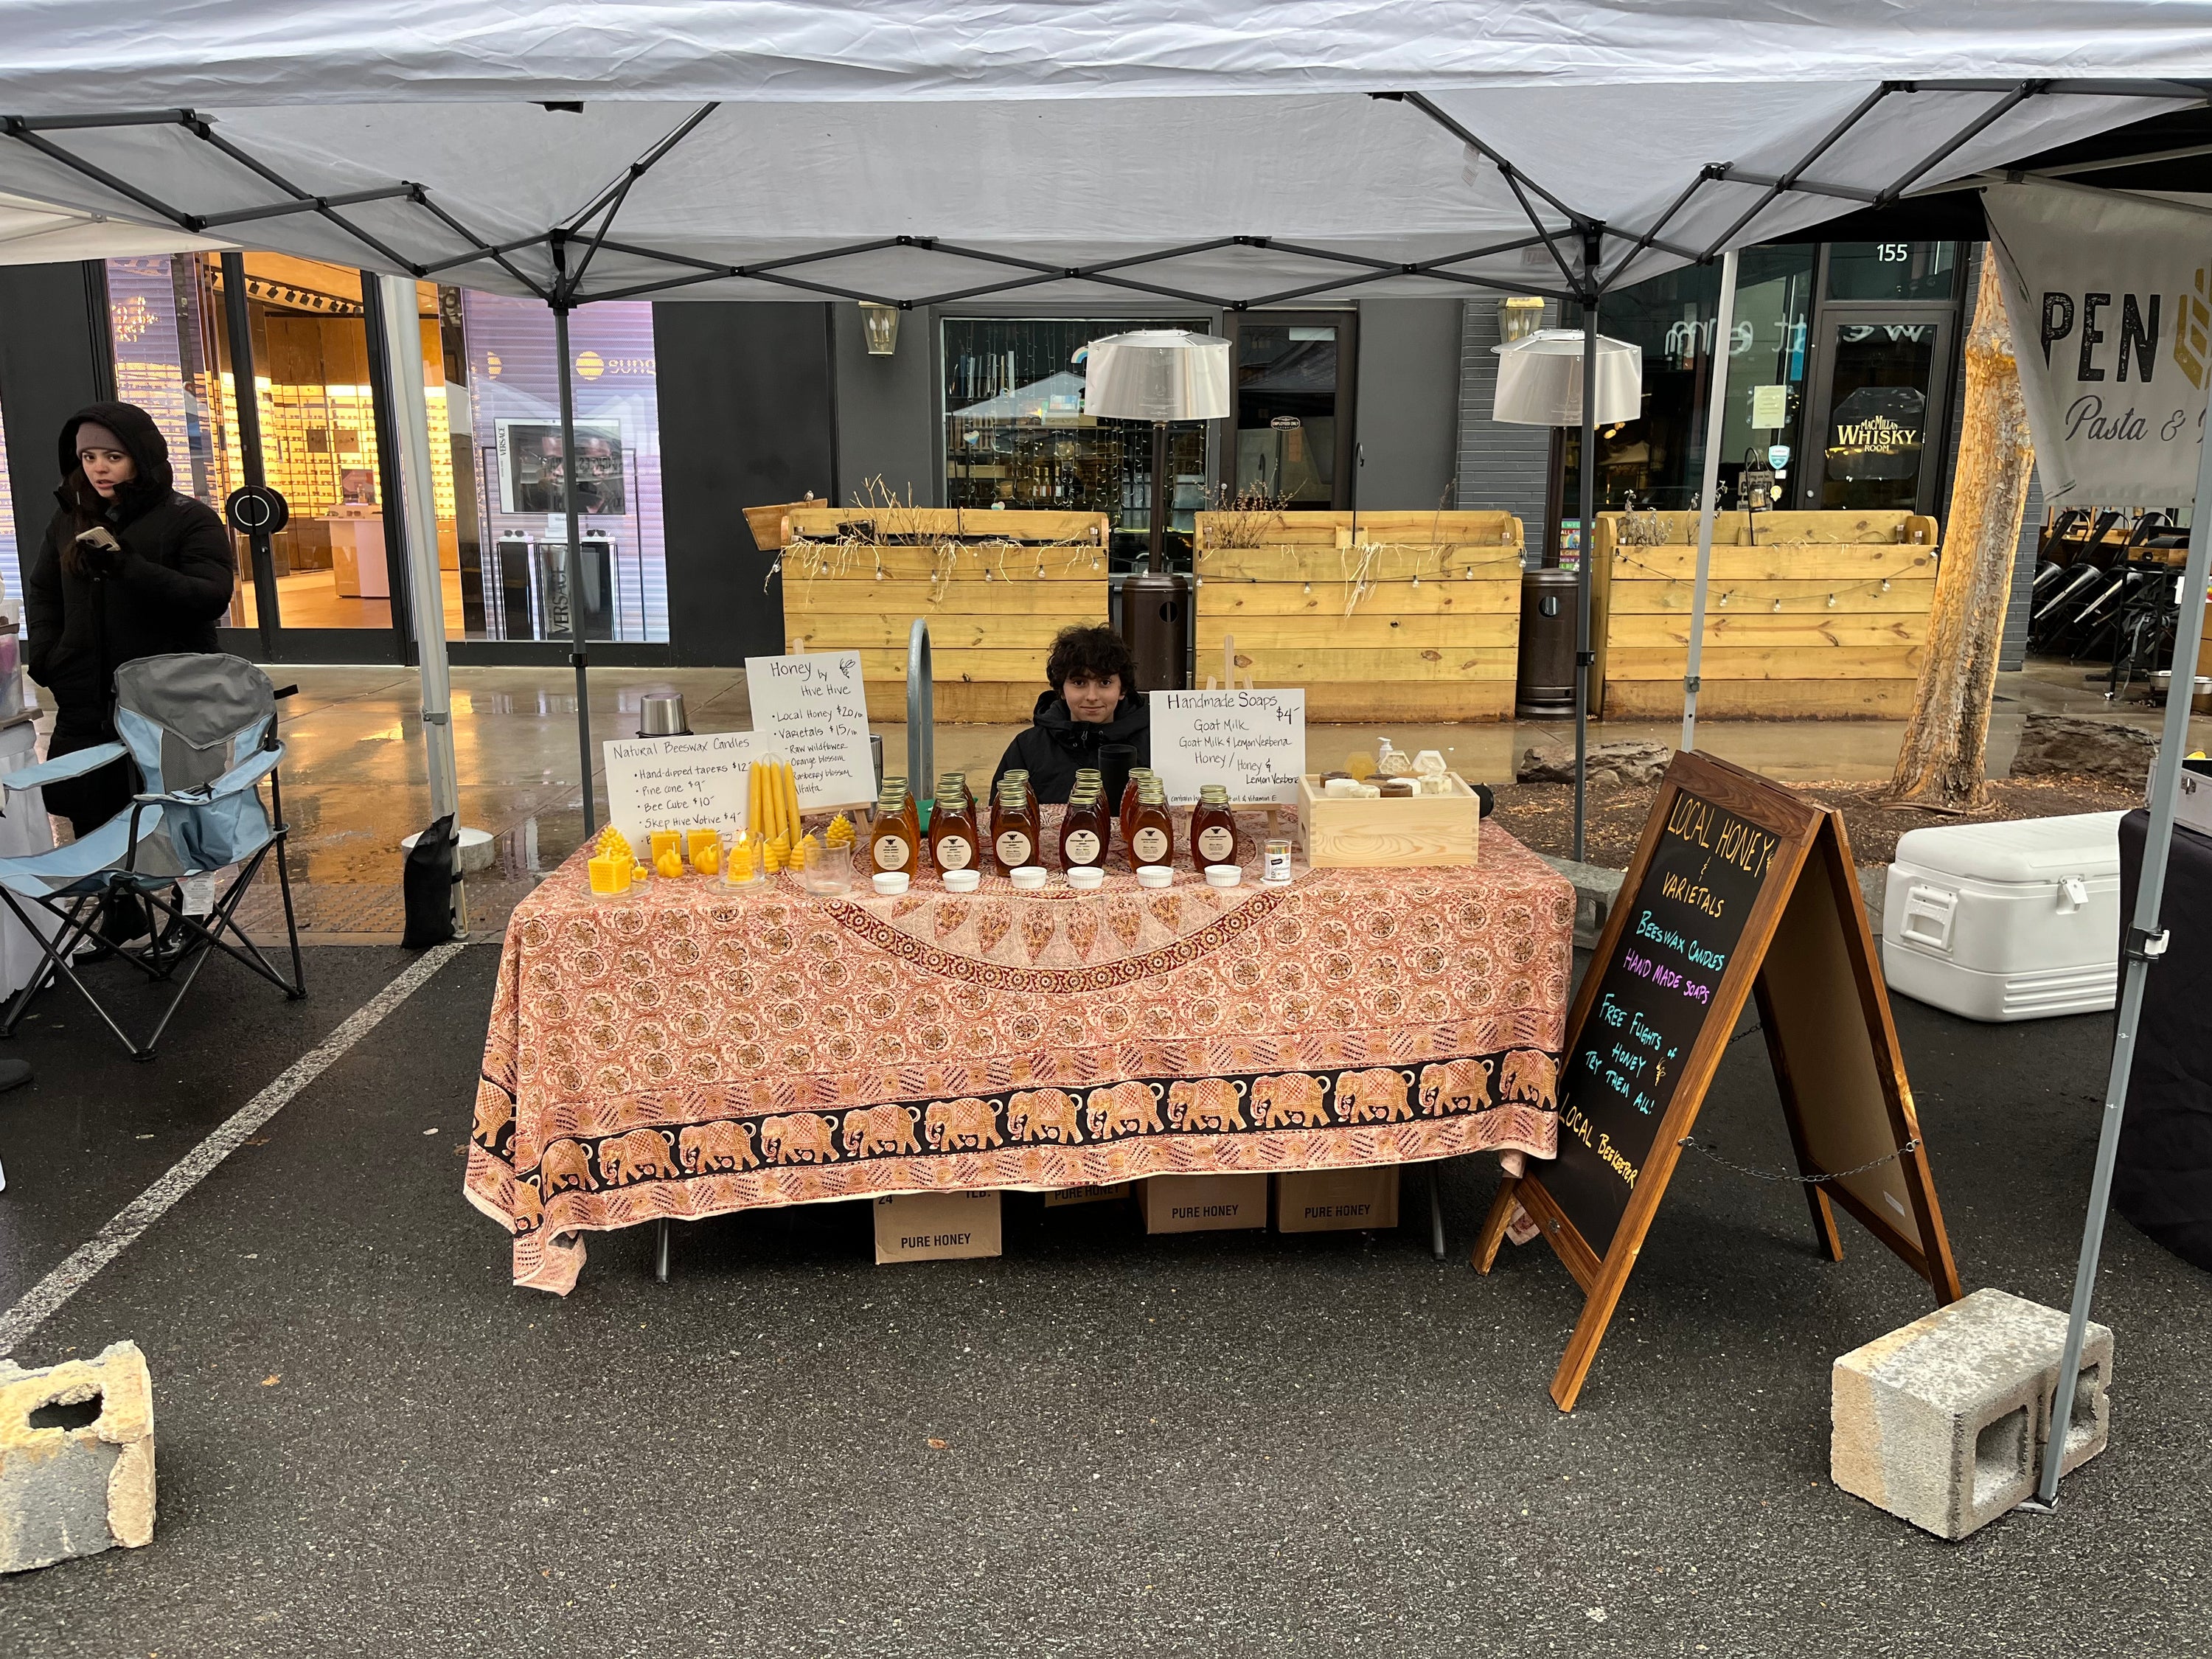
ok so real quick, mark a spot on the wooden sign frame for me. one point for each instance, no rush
(1807, 954)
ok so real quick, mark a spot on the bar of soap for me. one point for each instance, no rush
(1435, 783)
(1428, 761)
(1342, 789)
(1366, 791)
(1398, 789)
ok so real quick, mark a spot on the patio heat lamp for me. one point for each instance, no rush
(1159, 375)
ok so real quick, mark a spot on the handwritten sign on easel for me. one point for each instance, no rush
(1738, 888)
(1253, 741)
(678, 783)
(812, 709)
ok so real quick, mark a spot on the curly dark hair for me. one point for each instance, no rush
(1093, 650)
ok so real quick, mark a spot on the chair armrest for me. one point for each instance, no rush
(240, 777)
(73, 765)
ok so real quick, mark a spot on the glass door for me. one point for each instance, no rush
(1293, 373)
(1883, 385)
(1880, 386)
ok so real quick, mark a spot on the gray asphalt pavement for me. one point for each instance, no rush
(1211, 1444)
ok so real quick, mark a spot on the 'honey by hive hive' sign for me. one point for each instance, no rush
(1739, 889)
(811, 708)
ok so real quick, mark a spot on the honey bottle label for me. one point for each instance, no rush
(1218, 843)
(1082, 847)
(1014, 848)
(955, 852)
(1150, 844)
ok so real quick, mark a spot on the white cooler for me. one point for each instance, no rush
(2004, 922)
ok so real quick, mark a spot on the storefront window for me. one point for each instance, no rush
(1658, 460)
(1892, 270)
(515, 401)
(1289, 376)
(1016, 434)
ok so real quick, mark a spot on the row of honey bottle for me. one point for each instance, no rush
(1016, 825)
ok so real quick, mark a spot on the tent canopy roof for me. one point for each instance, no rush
(1238, 154)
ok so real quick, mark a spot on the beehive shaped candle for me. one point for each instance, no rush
(840, 832)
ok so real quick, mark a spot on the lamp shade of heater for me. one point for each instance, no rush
(1157, 374)
(1540, 380)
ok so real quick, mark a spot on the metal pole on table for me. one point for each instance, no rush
(920, 715)
(1709, 494)
(1588, 538)
(573, 555)
(2144, 944)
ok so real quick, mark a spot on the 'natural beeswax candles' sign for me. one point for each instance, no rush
(677, 783)
(1738, 888)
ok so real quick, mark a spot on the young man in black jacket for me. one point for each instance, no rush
(1094, 702)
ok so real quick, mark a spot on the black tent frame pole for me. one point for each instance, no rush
(1587, 480)
(572, 562)
(246, 399)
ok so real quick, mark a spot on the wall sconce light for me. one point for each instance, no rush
(1519, 316)
(881, 322)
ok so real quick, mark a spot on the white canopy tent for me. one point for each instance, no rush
(39, 233)
(923, 151)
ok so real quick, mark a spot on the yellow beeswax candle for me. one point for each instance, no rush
(840, 832)
(669, 864)
(744, 855)
(614, 844)
(756, 802)
(706, 842)
(706, 858)
(776, 854)
(610, 875)
(667, 844)
(790, 800)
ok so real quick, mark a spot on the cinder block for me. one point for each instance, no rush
(70, 1490)
(1943, 1423)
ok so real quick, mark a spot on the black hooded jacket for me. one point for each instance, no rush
(1057, 743)
(166, 593)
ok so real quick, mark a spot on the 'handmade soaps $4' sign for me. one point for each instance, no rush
(1253, 741)
(1683, 923)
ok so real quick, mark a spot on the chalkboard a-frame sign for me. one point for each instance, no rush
(1739, 889)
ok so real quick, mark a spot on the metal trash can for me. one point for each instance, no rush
(1546, 686)
(1156, 613)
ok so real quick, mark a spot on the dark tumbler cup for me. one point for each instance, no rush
(1114, 760)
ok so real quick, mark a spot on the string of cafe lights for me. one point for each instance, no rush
(1873, 584)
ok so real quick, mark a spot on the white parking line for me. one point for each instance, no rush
(150, 1206)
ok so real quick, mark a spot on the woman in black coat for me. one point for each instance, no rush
(129, 568)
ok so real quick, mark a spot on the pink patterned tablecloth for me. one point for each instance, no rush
(695, 1048)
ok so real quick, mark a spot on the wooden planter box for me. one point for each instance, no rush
(1408, 616)
(1859, 658)
(994, 588)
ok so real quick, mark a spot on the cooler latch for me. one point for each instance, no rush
(2073, 895)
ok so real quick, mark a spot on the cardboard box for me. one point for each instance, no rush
(936, 1227)
(1334, 1200)
(1053, 1200)
(1207, 1203)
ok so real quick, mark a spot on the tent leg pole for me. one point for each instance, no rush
(1709, 493)
(1588, 508)
(2143, 945)
(573, 559)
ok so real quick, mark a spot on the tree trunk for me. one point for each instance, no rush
(1941, 761)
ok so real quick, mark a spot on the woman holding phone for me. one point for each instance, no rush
(129, 568)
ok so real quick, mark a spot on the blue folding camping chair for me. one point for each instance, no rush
(202, 730)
